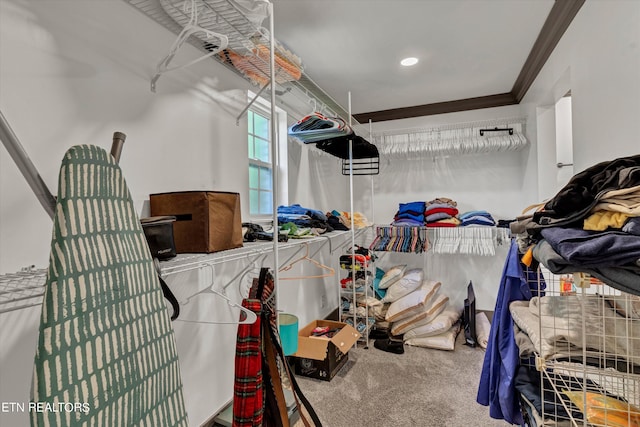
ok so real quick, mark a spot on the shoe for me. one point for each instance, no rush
(390, 344)
(378, 334)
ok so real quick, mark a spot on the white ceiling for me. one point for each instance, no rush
(467, 48)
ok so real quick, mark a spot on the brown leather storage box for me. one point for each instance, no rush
(206, 221)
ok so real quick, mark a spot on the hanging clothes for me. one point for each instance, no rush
(260, 365)
(501, 360)
(400, 239)
(248, 398)
(105, 336)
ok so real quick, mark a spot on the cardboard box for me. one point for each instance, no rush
(206, 221)
(322, 358)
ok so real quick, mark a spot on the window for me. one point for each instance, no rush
(260, 164)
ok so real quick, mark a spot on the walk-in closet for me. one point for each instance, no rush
(343, 213)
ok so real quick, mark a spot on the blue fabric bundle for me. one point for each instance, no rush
(501, 360)
(593, 248)
(294, 211)
(410, 214)
(476, 218)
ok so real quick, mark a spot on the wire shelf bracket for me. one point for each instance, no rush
(369, 166)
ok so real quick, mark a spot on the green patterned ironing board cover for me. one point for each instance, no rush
(106, 352)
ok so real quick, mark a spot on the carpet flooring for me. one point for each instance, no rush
(422, 387)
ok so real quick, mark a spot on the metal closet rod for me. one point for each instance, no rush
(249, 253)
(510, 130)
(28, 169)
(26, 166)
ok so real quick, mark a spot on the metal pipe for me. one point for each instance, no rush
(116, 146)
(27, 168)
(244, 110)
(275, 152)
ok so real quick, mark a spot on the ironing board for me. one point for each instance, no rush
(106, 352)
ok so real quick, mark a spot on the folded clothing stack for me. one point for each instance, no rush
(441, 212)
(299, 215)
(410, 214)
(477, 218)
(299, 221)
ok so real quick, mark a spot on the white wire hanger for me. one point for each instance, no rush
(328, 270)
(252, 267)
(445, 140)
(191, 28)
(247, 316)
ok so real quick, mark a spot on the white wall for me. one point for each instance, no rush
(64, 84)
(497, 182)
(315, 179)
(598, 59)
(73, 72)
(501, 183)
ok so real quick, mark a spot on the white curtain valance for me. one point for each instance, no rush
(457, 139)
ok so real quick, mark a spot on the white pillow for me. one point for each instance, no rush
(441, 324)
(431, 285)
(391, 276)
(435, 307)
(411, 281)
(446, 341)
(411, 303)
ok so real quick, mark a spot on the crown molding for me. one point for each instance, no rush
(560, 17)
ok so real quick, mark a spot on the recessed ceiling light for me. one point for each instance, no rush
(408, 62)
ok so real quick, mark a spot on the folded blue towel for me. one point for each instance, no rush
(478, 220)
(411, 207)
(296, 209)
(470, 214)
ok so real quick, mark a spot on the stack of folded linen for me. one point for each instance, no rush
(299, 215)
(298, 221)
(410, 215)
(477, 218)
(441, 212)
